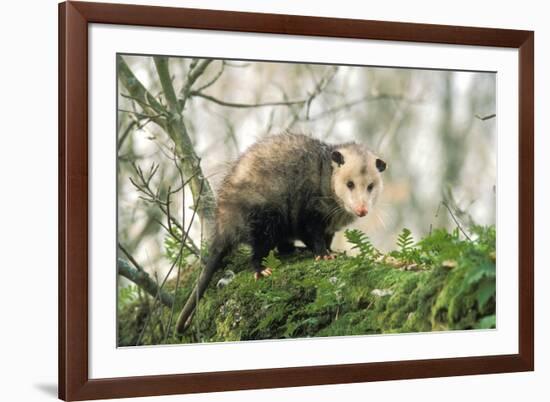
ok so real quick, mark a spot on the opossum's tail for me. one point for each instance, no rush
(218, 252)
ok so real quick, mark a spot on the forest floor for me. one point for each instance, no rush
(443, 282)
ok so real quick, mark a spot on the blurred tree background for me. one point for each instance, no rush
(182, 121)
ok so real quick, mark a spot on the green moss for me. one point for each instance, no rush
(451, 286)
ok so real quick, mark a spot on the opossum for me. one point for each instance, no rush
(284, 188)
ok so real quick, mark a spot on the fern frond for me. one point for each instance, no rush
(272, 261)
(405, 241)
(362, 243)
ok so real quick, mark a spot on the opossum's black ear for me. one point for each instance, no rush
(338, 158)
(380, 165)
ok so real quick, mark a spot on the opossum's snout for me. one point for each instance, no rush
(356, 179)
(361, 211)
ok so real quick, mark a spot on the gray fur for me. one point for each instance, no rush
(285, 188)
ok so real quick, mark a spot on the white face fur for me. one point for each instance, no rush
(356, 178)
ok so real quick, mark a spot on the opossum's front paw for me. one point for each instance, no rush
(325, 257)
(263, 273)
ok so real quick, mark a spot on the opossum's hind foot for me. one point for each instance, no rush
(260, 251)
(264, 273)
(325, 257)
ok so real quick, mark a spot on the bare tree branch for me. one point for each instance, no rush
(189, 160)
(483, 118)
(319, 87)
(194, 74)
(143, 186)
(214, 79)
(355, 102)
(455, 220)
(122, 137)
(171, 121)
(245, 105)
(169, 271)
(137, 90)
(130, 257)
(172, 310)
(144, 281)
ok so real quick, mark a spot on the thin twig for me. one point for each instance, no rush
(141, 116)
(130, 257)
(144, 188)
(246, 105)
(170, 270)
(367, 98)
(455, 220)
(483, 118)
(125, 134)
(177, 129)
(213, 80)
(146, 106)
(319, 87)
(144, 281)
(196, 70)
(189, 245)
(172, 123)
(172, 311)
(168, 216)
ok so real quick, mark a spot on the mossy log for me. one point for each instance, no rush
(454, 288)
(443, 283)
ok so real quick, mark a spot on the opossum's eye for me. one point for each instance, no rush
(350, 185)
(338, 158)
(380, 165)
(370, 187)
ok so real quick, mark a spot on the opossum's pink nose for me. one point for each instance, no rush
(361, 211)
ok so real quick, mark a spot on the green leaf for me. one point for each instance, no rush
(362, 243)
(487, 322)
(483, 270)
(272, 261)
(484, 293)
(405, 240)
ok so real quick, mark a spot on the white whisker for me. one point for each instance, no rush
(377, 215)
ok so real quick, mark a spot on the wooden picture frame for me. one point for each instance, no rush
(74, 381)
